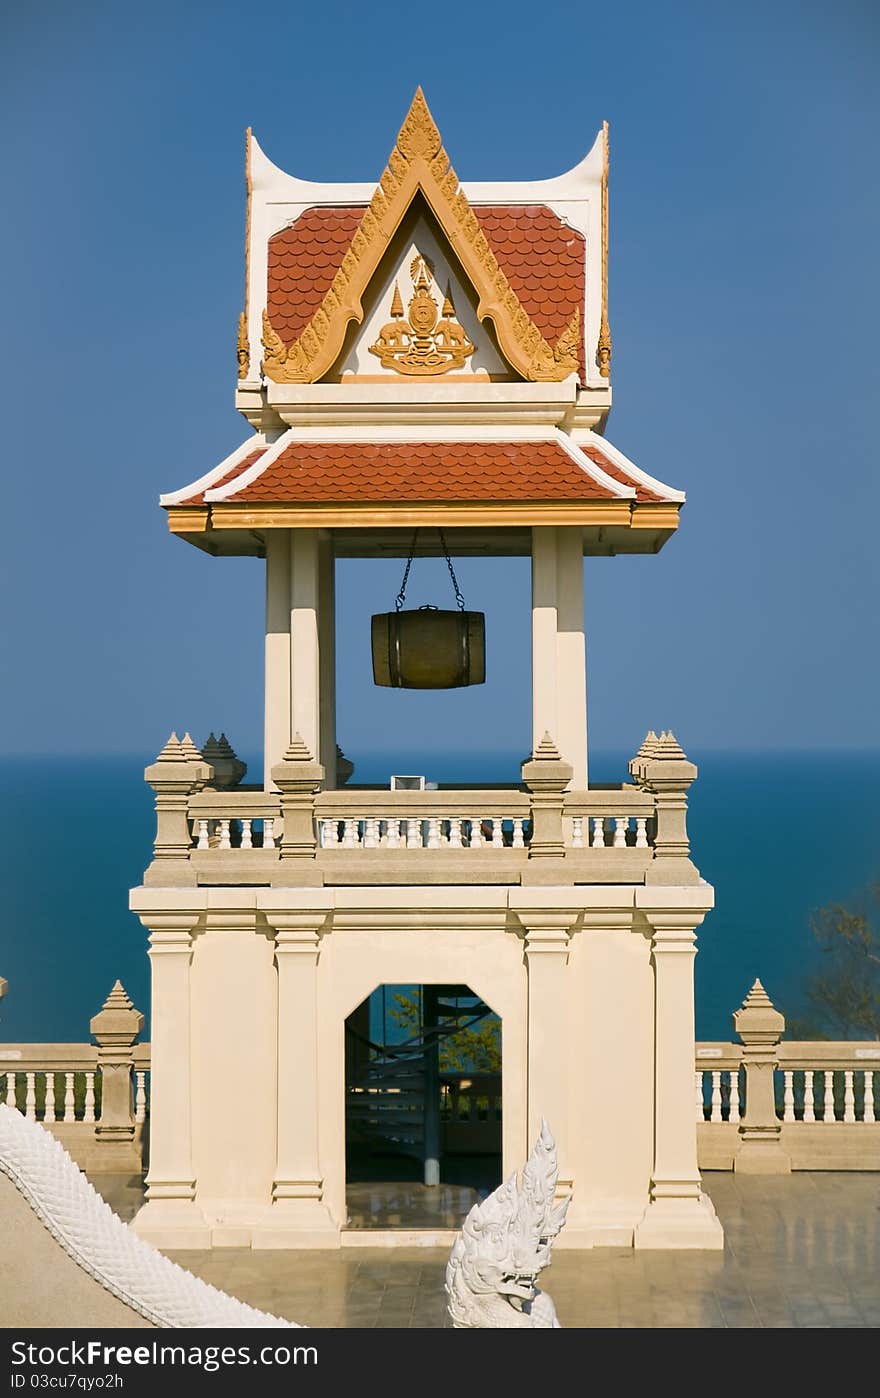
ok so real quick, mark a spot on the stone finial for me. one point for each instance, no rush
(546, 751)
(117, 1024)
(189, 749)
(172, 751)
(344, 767)
(228, 768)
(668, 747)
(298, 750)
(662, 764)
(646, 751)
(298, 771)
(758, 1021)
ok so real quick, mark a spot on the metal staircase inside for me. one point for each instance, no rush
(388, 1099)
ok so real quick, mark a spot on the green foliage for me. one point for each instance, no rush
(473, 1050)
(845, 994)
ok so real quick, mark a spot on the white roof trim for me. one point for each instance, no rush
(178, 497)
(253, 472)
(617, 456)
(624, 492)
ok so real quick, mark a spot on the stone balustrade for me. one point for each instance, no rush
(93, 1097)
(764, 1106)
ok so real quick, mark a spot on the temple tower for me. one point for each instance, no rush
(424, 368)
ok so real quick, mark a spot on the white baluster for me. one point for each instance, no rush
(849, 1097)
(715, 1113)
(788, 1096)
(809, 1106)
(497, 834)
(4, 1081)
(268, 832)
(392, 837)
(577, 832)
(829, 1096)
(698, 1095)
(140, 1097)
(641, 832)
(620, 824)
(869, 1096)
(247, 840)
(734, 1095)
(30, 1100)
(455, 840)
(225, 841)
(476, 833)
(414, 834)
(598, 841)
(89, 1105)
(518, 841)
(69, 1104)
(350, 834)
(433, 833)
(371, 833)
(202, 841)
(49, 1110)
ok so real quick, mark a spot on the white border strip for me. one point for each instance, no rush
(178, 497)
(617, 457)
(623, 492)
(253, 472)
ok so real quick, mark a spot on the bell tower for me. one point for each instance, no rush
(424, 367)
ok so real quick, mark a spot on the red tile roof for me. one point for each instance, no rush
(227, 476)
(542, 258)
(303, 260)
(307, 472)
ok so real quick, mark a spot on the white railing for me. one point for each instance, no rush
(52, 1083)
(437, 832)
(829, 1082)
(615, 819)
(238, 819)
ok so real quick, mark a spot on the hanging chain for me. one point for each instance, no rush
(401, 596)
(458, 597)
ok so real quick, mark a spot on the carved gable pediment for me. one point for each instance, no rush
(419, 166)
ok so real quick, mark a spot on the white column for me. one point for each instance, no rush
(678, 1215)
(277, 732)
(327, 658)
(571, 691)
(298, 1217)
(170, 1217)
(305, 677)
(546, 951)
(559, 696)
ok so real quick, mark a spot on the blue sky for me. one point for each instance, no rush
(744, 229)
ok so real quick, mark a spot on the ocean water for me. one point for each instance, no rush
(777, 834)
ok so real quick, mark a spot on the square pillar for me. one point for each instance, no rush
(277, 731)
(559, 687)
(298, 1216)
(327, 658)
(305, 666)
(546, 954)
(679, 1214)
(170, 1217)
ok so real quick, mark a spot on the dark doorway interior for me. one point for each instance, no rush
(423, 1106)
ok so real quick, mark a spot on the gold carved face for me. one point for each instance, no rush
(426, 340)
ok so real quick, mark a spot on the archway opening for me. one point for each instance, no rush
(422, 1106)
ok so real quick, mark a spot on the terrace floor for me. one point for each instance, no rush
(801, 1251)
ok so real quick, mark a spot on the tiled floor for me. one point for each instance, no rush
(801, 1251)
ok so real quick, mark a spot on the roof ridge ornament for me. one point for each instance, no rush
(418, 163)
(603, 348)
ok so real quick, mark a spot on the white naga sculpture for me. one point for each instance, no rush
(89, 1230)
(505, 1241)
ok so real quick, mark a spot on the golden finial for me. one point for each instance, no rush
(396, 302)
(603, 349)
(448, 306)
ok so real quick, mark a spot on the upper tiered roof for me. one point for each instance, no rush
(425, 352)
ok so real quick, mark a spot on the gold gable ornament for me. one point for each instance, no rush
(427, 340)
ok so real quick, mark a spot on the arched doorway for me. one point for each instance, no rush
(422, 1106)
